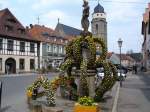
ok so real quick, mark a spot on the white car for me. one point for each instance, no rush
(122, 73)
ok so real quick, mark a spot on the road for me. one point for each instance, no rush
(135, 94)
(13, 94)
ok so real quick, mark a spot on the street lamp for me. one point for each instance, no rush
(120, 45)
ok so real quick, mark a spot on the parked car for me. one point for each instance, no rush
(100, 73)
(123, 74)
(124, 69)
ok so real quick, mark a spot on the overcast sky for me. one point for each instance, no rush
(124, 19)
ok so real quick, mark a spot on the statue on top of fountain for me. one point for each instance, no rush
(85, 20)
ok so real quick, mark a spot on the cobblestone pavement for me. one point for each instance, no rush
(14, 97)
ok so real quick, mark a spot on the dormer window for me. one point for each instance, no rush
(8, 28)
(12, 20)
(21, 31)
(46, 34)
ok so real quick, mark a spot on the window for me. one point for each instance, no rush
(1, 44)
(55, 49)
(49, 48)
(11, 20)
(32, 47)
(46, 34)
(62, 41)
(60, 49)
(66, 41)
(32, 64)
(0, 64)
(8, 28)
(21, 64)
(10, 44)
(22, 46)
(21, 31)
(97, 28)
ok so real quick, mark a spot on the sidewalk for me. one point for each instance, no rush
(26, 74)
(135, 94)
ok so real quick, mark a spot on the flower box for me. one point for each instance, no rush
(82, 108)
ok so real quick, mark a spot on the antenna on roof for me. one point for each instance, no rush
(98, 1)
(58, 20)
(38, 19)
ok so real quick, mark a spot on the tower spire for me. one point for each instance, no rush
(38, 20)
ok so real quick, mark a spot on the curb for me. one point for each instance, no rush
(16, 75)
(114, 109)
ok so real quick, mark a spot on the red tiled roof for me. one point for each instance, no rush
(125, 57)
(5, 17)
(46, 34)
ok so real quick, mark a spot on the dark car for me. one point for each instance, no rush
(123, 69)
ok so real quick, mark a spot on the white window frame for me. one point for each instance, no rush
(49, 48)
(55, 48)
(60, 49)
(1, 64)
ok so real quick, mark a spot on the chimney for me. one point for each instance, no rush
(149, 6)
(31, 26)
(27, 28)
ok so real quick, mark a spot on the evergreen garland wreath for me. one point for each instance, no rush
(74, 58)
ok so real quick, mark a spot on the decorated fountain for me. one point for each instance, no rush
(80, 65)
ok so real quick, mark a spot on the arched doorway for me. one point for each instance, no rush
(10, 66)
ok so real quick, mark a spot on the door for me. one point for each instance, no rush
(10, 66)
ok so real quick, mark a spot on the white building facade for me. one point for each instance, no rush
(18, 56)
(52, 46)
(18, 51)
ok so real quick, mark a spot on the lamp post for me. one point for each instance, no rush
(120, 45)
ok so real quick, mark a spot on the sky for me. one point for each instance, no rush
(123, 19)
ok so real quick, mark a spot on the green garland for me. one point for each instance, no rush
(108, 81)
(104, 51)
(92, 49)
(50, 87)
(74, 58)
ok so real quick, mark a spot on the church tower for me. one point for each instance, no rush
(99, 23)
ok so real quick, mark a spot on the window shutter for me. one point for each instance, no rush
(149, 24)
(143, 27)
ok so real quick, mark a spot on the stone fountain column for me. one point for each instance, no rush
(90, 75)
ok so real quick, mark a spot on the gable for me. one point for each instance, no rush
(67, 30)
(11, 27)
